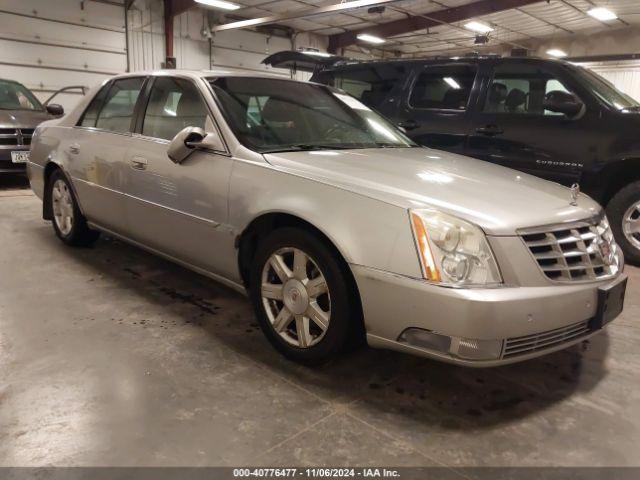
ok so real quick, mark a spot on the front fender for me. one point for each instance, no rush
(365, 231)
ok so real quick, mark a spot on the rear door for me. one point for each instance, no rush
(378, 85)
(512, 128)
(96, 152)
(434, 109)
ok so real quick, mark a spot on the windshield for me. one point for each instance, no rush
(271, 115)
(14, 96)
(606, 91)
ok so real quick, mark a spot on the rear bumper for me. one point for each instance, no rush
(394, 305)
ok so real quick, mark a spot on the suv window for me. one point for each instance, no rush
(174, 104)
(446, 87)
(521, 89)
(372, 84)
(117, 109)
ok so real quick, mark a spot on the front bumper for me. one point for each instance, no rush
(6, 165)
(394, 304)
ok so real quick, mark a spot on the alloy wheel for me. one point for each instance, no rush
(296, 297)
(631, 224)
(62, 206)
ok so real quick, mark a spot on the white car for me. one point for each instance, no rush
(336, 225)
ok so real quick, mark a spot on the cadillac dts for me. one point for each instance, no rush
(336, 225)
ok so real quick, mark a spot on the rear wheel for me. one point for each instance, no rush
(301, 296)
(623, 212)
(68, 222)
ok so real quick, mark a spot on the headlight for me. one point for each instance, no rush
(451, 251)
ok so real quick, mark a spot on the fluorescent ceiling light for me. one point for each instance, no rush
(219, 4)
(603, 14)
(478, 27)
(316, 54)
(556, 52)
(452, 83)
(365, 37)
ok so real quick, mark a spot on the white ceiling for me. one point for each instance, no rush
(533, 22)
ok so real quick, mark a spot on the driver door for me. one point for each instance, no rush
(511, 127)
(178, 209)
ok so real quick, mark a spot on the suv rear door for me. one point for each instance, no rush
(435, 108)
(512, 128)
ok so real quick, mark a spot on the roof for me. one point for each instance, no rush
(354, 64)
(221, 72)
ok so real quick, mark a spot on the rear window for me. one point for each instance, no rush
(371, 84)
(445, 87)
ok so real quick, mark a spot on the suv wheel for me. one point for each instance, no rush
(301, 297)
(68, 222)
(623, 212)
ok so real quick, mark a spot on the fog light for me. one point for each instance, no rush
(465, 348)
(416, 337)
(472, 349)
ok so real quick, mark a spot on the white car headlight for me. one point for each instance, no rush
(452, 251)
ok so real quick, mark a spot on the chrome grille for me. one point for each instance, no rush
(16, 136)
(539, 341)
(579, 251)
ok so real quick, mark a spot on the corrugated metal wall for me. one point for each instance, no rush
(624, 75)
(47, 45)
(240, 49)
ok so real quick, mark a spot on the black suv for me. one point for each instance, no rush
(548, 118)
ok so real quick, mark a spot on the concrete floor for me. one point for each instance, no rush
(110, 356)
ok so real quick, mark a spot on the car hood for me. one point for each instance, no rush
(22, 118)
(498, 199)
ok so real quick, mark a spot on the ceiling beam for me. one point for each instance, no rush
(416, 22)
(336, 8)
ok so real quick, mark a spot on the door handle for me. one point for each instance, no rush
(138, 163)
(490, 130)
(409, 124)
(74, 148)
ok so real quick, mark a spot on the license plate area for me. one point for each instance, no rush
(20, 156)
(610, 303)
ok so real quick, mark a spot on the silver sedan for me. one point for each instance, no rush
(335, 224)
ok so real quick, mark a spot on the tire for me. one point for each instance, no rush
(68, 222)
(619, 208)
(294, 300)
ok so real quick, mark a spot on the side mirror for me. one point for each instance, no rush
(190, 138)
(562, 102)
(55, 109)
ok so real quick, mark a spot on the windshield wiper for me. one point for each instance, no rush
(306, 147)
(392, 145)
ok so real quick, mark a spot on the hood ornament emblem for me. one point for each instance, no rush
(575, 191)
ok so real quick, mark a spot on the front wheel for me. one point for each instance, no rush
(68, 222)
(301, 296)
(623, 212)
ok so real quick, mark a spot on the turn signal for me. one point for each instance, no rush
(427, 260)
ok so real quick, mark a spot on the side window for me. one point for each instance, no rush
(371, 85)
(90, 115)
(443, 87)
(521, 89)
(117, 109)
(174, 104)
(254, 109)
